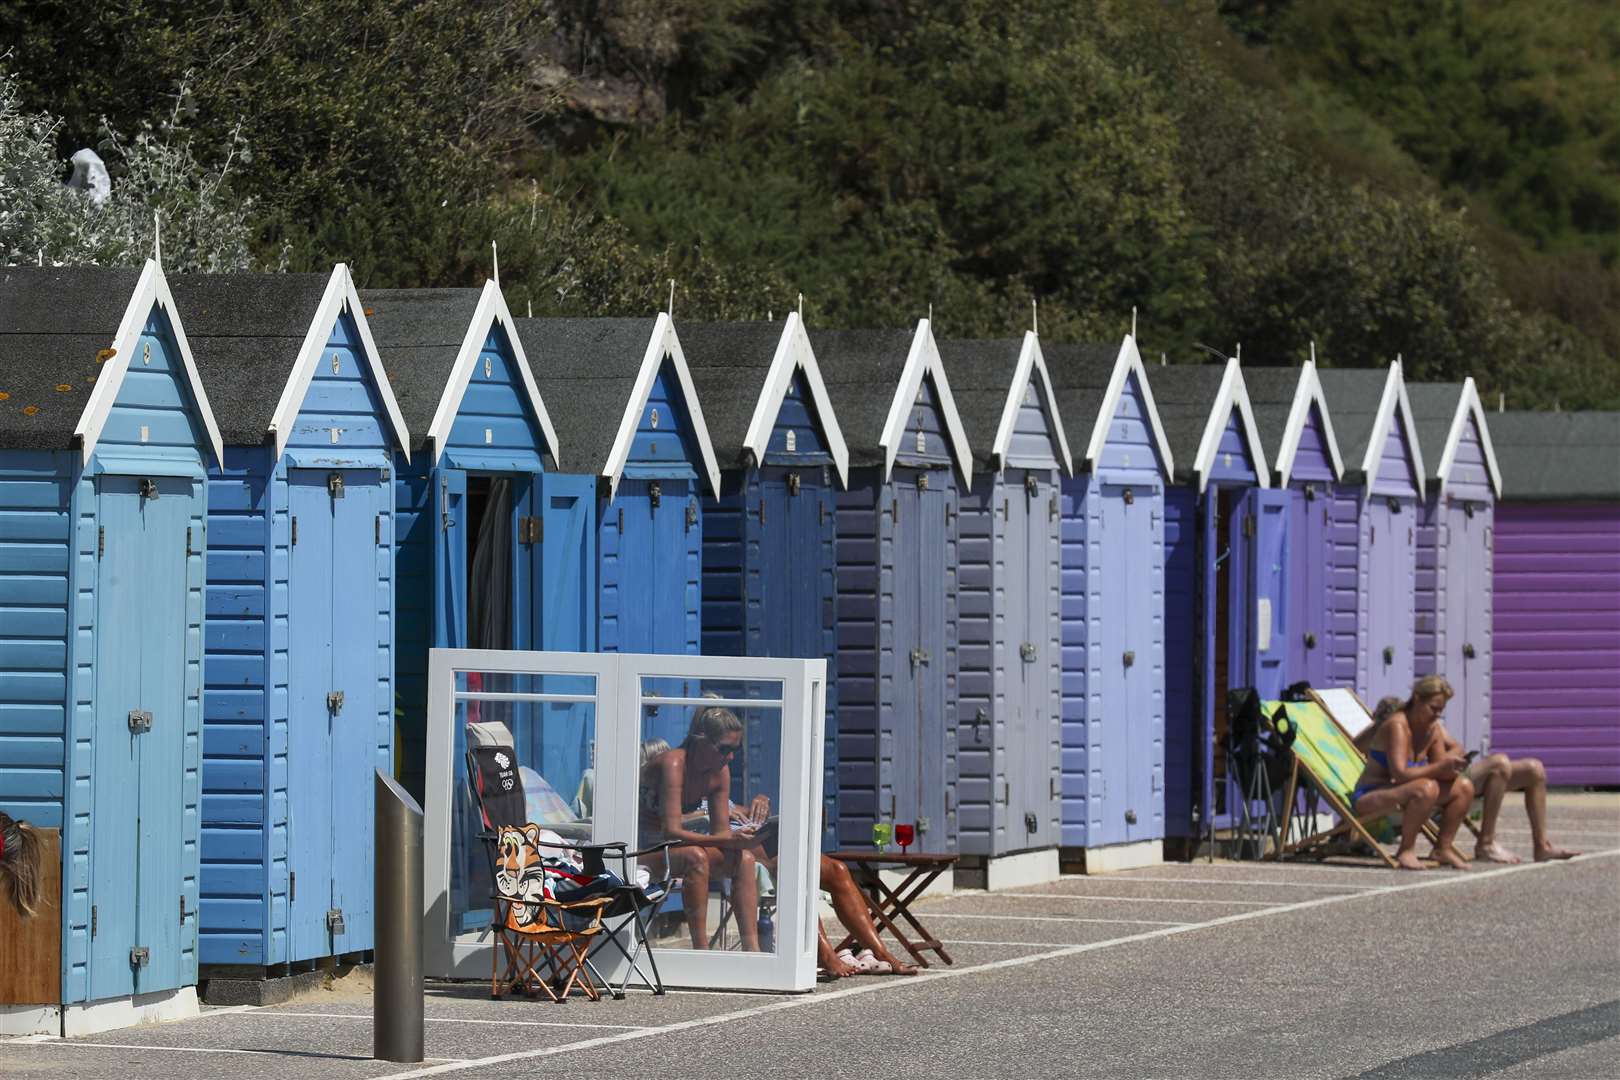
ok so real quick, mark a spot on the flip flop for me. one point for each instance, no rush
(868, 964)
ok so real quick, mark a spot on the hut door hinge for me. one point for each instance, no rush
(821, 513)
(182, 910)
(692, 515)
(1052, 508)
(140, 721)
(93, 920)
(376, 529)
(334, 702)
(334, 922)
(292, 886)
(1248, 525)
(101, 540)
(621, 521)
(139, 956)
(295, 530)
(189, 552)
(530, 530)
(762, 511)
(1006, 509)
(793, 483)
(334, 485)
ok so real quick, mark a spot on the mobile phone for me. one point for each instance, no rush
(1468, 758)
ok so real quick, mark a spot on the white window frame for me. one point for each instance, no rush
(792, 967)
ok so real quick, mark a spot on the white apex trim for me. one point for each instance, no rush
(340, 296)
(1031, 362)
(793, 353)
(1128, 360)
(1468, 404)
(152, 289)
(1307, 393)
(664, 342)
(1394, 401)
(1234, 393)
(490, 311)
(923, 359)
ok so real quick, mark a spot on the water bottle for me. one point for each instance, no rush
(767, 932)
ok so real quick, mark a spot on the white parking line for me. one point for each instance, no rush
(68, 1044)
(932, 915)
(1133, 899)
(1431, 880)
(1213, 881)
(455, 1020)
(1014, 944)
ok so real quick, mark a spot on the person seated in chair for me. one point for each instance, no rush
(674, 784)
(1409, 772)
(850, 905)
(1493, 777)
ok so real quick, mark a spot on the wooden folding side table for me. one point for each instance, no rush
(889, 907)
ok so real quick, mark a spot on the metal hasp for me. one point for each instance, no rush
(793, 481)
(148, 488)
(1389, 654)
(140, 720)
(335, 924)
(334, 702)
(1130, 657)
(140, 956)
(396, 1019)
(919, 657)
(1310, 640)
(1130, 817)
(1469, 651)
(334, 485)
(1031, 822)
(1026, 652)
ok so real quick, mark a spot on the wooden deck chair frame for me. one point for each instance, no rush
(1430, 829)
(1348, 824)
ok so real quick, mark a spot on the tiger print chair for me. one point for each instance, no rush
(541, 942)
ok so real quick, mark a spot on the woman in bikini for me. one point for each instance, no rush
(1409, 771)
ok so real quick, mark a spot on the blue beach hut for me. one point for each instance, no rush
(472, 500)
(769, 545)
(1009, 590)
(1297, 431)
(1455, 554)
(298, 705)
(105, 433)
(897, 595)
(1384, 467)
(1113, 538)
(1225, 611)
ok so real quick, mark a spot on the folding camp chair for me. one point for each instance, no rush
(1332, 764)
(544, 941)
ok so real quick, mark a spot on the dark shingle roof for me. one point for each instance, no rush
(980, 374)
(1080, 377)
(1353, 396)
(1434, 406)
(54, 322)
(419, 334)
(1562, 455)
(1185, 394)
(245, 331)
(862, 371)
(586, 370)
(729, 362)
(1271, 393)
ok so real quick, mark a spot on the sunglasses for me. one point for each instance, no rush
(726, 750)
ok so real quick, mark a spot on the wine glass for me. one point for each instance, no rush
(905, 836)
(881, 832)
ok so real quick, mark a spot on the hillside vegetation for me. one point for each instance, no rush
(1439, 184)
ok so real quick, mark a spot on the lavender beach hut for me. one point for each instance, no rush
(1113, 771)
(1455, 526)
(897, 592)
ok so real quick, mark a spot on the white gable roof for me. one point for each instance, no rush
(1233, 394)
(793, 353)
(490, 311)
(340, 296)
(664, 342)
(1031, 365)
(923, 359)
(1468, 404)
(1127, 363)
(152, 289)
(1394, 403)
(1307, 393)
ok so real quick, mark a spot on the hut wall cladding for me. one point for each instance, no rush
(1454, 589)
(1556, 678)
(1386, 617)
(1322, 566)
(116, 797)
(262, 779)
(651, 563)
(1111, 728)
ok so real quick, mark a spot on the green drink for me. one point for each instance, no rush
(882, 831)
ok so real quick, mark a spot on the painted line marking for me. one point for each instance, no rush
(1013, 944)
(458, 1020)
(70, 1044)
(1058, 918)
(1431, 880)
(1132, 899)
(1231, 882)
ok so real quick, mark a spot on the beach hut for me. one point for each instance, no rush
(1113, 607)
(1225, 608)
(474, 497)
(105, 433)
(298, 700)
(1555, 679)
(1009, 592)
(1455, 524)
(897, 597)
(1384, 464)
(1303, 452)
(769, 548)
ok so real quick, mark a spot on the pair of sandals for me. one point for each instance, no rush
(865, 963)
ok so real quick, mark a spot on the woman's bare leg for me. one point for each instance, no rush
(745, 896)
(1415, 800)
(828, 960)
(1490, 779)
(1530, 777)
(691, 865)
(1456, 800)
(850, 905)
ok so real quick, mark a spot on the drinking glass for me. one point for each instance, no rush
(881, 832)
(904, 835)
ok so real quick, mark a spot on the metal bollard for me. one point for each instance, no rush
(396, 1010)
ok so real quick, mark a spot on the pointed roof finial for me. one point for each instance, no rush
(531, 309)
(801, 307)
(770, 314)
(930, 313)
(1164, 361)
(670, 311)
(495, 261)
(1238, 356)
(1501, 401)
(1133, 322)
(1313, 352)
(1035, 316)
(157, 238)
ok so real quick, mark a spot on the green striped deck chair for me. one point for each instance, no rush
(1331, 763)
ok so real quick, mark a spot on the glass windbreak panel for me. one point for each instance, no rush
(526, 753)
(710, 780)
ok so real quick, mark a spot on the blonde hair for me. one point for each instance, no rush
(1386, 708)
(1427, 687)
(713, 722)
(19, 863)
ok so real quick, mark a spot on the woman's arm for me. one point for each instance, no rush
(672, 779)
(1400, 754)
